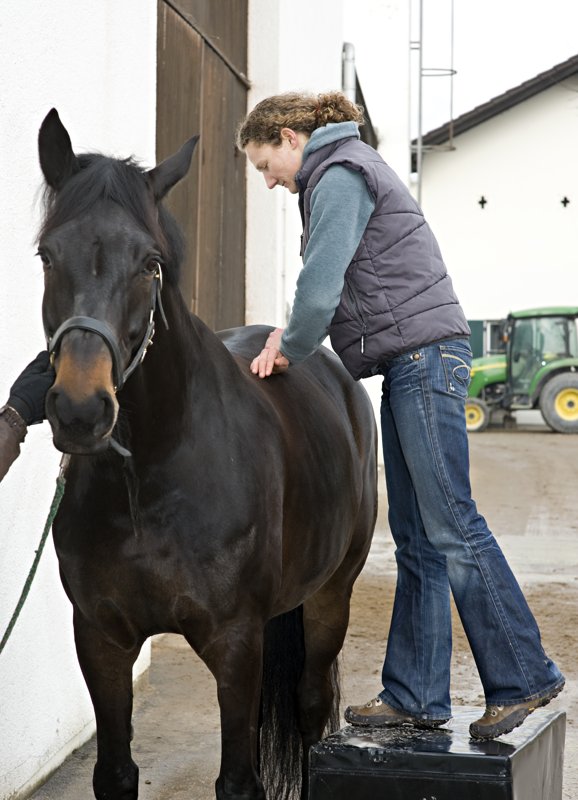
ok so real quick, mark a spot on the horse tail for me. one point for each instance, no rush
(281, 751)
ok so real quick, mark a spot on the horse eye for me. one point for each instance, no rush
(153, 265)
(46, 262)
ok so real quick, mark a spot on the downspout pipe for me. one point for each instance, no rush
(348, 78)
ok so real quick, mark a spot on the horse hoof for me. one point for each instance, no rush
(225, 791)
(116, 784)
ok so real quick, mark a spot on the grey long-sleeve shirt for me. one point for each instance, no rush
(341, 206)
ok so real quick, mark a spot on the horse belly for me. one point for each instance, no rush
(152, 583)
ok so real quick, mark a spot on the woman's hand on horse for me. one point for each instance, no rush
(270, 360)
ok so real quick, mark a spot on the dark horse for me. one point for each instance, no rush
(200, 500)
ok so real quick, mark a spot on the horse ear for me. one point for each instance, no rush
(169, 172)
(57, 158)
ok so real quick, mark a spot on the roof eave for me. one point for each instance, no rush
(501, 103)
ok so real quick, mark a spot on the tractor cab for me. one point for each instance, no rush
(536, 345)
(539, 370)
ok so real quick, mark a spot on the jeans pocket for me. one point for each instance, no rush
(456, 362)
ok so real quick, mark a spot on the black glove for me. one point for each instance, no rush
(28, 393)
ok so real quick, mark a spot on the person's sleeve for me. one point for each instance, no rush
(12, 433)
(341, 205)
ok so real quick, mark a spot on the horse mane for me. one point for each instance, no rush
(121, 181)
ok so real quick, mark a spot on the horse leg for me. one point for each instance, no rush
(235, 659)
(325, 620)
(107, 670)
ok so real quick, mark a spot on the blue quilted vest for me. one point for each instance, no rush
(397, 294)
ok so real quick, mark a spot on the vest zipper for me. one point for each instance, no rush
(357, 312)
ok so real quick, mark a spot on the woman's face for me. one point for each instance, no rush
(279, 163)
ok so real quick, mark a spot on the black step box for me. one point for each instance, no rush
(444, 764)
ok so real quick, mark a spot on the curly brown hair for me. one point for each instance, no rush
(300, 112)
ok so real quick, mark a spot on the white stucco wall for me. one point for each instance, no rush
(521, 250)
(96, 63)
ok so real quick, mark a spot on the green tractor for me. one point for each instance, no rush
(539, 369)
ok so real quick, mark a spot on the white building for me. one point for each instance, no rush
(501, 194)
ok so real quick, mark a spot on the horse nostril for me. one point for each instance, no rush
(106, 415)
(59, 408)
(50, 403)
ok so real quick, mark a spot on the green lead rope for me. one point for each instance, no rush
(60, 485)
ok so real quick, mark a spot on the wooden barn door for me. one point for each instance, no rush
(201, 88)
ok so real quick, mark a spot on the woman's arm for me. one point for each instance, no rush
(341, 206)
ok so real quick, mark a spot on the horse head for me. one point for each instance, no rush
(104, 245)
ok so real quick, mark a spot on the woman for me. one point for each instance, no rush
(373, 278)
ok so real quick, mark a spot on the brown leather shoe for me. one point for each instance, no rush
(378, 714)
(499, 720)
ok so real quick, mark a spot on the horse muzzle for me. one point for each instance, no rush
(81, 406)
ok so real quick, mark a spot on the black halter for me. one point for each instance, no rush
(103, 330)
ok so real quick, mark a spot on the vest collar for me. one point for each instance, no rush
(323, 142)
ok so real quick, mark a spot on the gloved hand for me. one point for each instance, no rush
(28, 393)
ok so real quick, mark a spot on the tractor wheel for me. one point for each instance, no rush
(559, 403)
(477, 415)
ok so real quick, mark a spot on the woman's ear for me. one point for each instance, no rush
(289, 135)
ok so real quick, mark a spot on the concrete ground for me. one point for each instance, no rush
(524, 481)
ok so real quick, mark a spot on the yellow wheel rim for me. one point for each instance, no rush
(474, 416)
(566, 404)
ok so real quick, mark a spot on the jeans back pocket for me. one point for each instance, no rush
(457, 369)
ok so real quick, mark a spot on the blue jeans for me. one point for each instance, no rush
(443, 543)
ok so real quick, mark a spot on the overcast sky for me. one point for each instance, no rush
(498, 44)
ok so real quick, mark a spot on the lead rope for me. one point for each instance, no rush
(60, 485)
